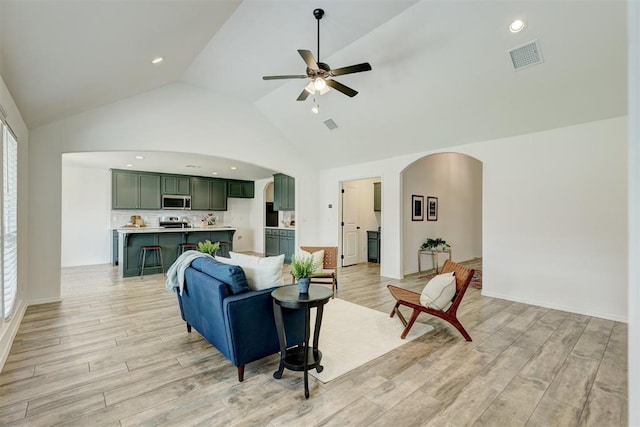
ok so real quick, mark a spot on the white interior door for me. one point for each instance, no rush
(349, 224)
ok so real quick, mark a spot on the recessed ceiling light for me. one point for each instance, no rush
(157, 60)
(129, 165)
(214, 173)
(516, 26)
(139, 157)
(233, 168)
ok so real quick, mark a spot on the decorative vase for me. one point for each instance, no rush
(303, 285)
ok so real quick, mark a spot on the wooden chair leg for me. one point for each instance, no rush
(456, 323)
(414, 316)
(241, 373)
(188, 328)
(394, 309)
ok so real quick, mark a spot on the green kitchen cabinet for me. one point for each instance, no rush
(373, 246)
(176, 185)
(287, 244)
(271, 242)
(284, 192)
(149, 191)
(377, 196)
(208, 194)
(133, 190)
(241, 189)
(279, 241)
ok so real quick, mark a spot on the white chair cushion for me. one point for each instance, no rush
(439, 292)
(262, 273)
(317, 256)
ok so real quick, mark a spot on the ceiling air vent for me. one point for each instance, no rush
(526, 55)
(330, 124)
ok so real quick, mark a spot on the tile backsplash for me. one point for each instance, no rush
(152, 218)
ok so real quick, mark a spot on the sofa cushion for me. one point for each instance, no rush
(261, 272)
(231, 275)
(439, 292)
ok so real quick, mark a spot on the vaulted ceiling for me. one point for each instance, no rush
(441, 74)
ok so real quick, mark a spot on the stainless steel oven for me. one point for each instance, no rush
(176, 202)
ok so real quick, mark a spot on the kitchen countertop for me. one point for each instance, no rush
(131, 230)
(280, 228)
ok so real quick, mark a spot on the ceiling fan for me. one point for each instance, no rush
(320, 73)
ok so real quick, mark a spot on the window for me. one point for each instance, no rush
(9, 221)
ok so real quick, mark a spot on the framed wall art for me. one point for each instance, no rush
(432, 208)
(417, 208)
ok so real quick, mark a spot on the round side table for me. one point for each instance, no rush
(300, 358)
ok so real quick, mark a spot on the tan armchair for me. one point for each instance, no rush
(329, 267)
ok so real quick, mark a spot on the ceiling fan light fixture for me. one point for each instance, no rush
(319, 84)
(310, 88)
(315, 109)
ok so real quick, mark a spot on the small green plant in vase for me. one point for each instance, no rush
(208, 247)
(436, 244)
(302, 269)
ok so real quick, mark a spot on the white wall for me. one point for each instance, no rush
(8, 328)
(634, 214)
(86, 203)
(176, 115)
(456, 180)
(554, 216)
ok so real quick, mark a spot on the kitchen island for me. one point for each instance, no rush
(131, 240)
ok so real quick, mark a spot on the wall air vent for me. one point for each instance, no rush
(330, 124)
(526, 55)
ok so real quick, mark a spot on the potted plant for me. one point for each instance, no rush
(302, 269)
(209, 248)
(436, 244)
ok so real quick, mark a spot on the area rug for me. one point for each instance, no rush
(353, 335)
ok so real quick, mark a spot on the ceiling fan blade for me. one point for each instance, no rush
(303, 95)
(309, 59)
(365, 66)
(342, 88)
(292, 76)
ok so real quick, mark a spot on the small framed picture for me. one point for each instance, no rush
(432, 208)
(417, 208)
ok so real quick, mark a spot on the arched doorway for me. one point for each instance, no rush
(451, 184)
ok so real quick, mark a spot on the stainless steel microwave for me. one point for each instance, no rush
(176, 202)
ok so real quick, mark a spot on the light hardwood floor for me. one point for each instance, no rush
(115, 352)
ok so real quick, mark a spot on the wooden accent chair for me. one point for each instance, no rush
(329, 266)
(411, 299)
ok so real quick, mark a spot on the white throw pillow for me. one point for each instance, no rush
(317, 256)
(439, 291)
(262, 273)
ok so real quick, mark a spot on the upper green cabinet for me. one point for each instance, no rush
(175, 184)
(284, 192)
(377, 197)
(241, 189)
(135, 190)
(208, 194)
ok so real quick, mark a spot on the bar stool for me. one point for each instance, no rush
(182, 247)
(157, 250)
(224, 249)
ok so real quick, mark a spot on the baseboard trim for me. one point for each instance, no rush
(10, 333)
(45, 301)
(545, 304)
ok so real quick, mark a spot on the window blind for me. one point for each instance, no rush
(9, 220)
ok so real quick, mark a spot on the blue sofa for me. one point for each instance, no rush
(239, 322)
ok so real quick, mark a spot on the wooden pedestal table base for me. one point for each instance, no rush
(302, 358)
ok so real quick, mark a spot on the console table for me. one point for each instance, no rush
(300, 358)
(434, 257)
